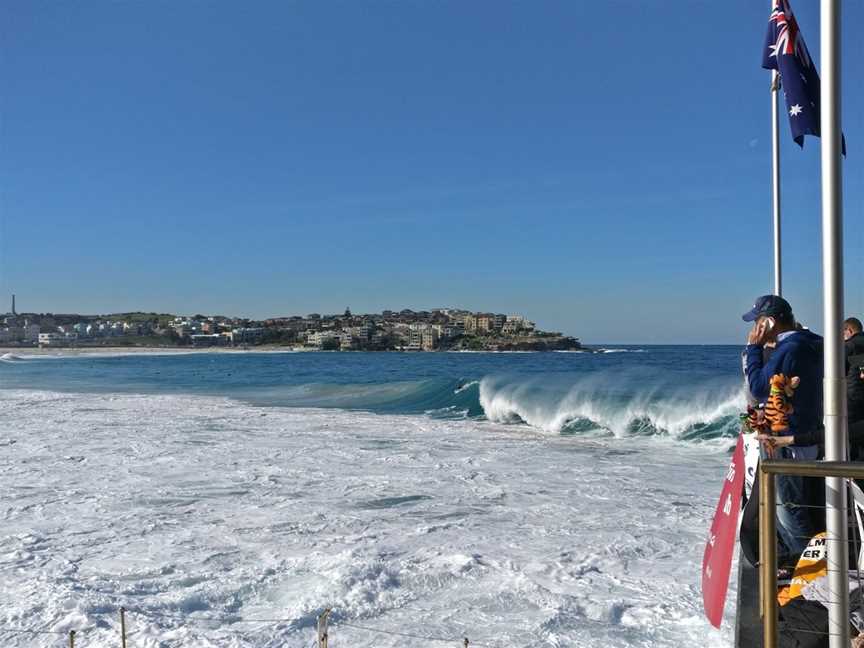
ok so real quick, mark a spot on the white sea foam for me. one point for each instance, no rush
(185, 508)
(124, 352)
(24, 357)
(596, 399)
(68, 354)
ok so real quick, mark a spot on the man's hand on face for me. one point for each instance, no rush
(759, 332)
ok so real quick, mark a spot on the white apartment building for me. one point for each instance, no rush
(414, 339)
(318, 338)
(245, 335)
(52, 339)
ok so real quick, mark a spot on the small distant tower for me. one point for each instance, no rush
(348, 312)
(13, 306)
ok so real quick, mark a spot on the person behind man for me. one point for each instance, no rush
(854, 361)
(855, 385)
(797, 352)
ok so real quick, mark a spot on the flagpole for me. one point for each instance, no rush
(775, 176)
(832, 279)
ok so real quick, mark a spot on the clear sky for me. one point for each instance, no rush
(602, 167)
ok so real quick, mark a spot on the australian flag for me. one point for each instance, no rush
(786, 52)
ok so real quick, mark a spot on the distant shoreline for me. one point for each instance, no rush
(129, 350)
(265, 348)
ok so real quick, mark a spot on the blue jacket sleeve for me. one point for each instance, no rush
(758, 378)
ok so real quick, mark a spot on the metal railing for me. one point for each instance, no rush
(768, 471)
(323, 630)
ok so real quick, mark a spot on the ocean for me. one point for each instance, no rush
(227, 499)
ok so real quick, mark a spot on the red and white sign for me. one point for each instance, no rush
(717, 561)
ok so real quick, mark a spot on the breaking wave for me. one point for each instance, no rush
(591, 404)
(677, 396)
(599, 404)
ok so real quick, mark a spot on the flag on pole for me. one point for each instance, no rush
(786, 52)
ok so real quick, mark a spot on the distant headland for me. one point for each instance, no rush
(439, 329)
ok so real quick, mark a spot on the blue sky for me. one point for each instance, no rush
(601, 167)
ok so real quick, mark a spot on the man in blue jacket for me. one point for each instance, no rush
(797, 352)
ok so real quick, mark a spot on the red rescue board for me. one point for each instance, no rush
(720, 547)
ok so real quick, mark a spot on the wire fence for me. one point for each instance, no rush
(804, 589)
(78, 637)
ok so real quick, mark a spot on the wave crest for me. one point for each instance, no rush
(601, 404)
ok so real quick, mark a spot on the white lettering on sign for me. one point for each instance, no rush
(711, 539)
(727, 507)
(708, 571)
(730, 476)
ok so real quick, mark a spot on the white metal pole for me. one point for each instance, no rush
(832, 278)
(775, 175)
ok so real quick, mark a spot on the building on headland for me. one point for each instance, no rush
(25, 333)
(53, 340)
(516, 324)
(366, 331)
(421, 338)
(479, 323)
(209, 339)
(485, 323)
(429, 340)
(31, 332)
(323, 339)
(10, 334)
(414, 340)
(469, 324)
(247, 335)
(411, 330)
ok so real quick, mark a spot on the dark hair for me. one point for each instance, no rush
(853, 323)
(786, 319)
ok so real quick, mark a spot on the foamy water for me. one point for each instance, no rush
(184, 508)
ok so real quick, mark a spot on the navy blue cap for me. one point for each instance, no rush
(768, 305)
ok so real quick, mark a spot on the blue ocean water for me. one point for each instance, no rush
(691, 392)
